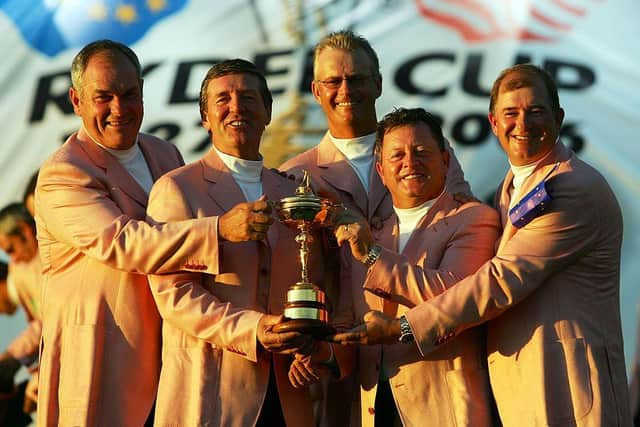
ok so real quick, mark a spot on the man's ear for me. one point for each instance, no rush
(378, 81)
(559, 118)
(446, 157)
(493, 122)
(379, 170)
(28, 233)
(315, 90)
(74, 97)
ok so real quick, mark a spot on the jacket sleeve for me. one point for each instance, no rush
(548, 244)
(472, 244)
(76, 208)
(183, 299)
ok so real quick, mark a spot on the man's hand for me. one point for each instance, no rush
(246, 221)
(354, 229)
(304, 372)
(284, 342)
(378, 328)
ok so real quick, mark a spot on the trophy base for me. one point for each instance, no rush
(317, 328)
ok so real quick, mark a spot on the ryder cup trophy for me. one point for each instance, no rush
(305, 309)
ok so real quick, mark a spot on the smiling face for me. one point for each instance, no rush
(109, 100)
(411, 165)
(346, 86)
(523, 119)
(236, 115)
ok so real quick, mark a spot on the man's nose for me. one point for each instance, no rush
(116, 105)
(236, 104)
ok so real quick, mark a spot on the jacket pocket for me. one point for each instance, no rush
(564, 392)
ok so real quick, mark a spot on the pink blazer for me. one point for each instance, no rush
(551, 296)
(210, 352)
(101, 329)
(451, 385)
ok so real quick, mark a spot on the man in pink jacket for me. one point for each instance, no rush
(430, 237)
(550, 296)
(346, 84)
(218, 347)
(100, 360)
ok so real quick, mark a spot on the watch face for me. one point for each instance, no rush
(406, 337)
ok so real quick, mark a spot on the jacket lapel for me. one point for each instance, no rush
(117, 175)
(388, 238)
(377, 193)
(336, 170)
(272, 187)
(223, 189)
(542, 172)
(152, 161)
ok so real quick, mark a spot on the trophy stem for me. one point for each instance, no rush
(304, 238)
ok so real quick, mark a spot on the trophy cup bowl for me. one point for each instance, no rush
(305, 309)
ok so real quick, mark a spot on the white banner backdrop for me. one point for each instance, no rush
(439, 54)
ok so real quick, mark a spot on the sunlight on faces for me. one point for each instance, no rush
(524, 122)
(350, 107)
(236, 115)
(110, 100)
(411, 165)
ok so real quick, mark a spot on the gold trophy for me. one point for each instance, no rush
(305, 310)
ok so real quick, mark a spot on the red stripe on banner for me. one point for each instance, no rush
(535, 13)
(570, 8)
(468, 32)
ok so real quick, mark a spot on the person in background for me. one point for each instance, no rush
(551, 294)
(22, 288)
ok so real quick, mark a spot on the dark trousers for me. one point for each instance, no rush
(385, 407)
(271, 413)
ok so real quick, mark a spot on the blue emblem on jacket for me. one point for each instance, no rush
(51, 26)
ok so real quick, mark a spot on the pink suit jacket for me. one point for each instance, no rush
(331, 175)
(100, 361)
(451, 385)
(213, 371)
(551, 296)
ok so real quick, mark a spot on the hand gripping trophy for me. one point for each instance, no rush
(305, 309)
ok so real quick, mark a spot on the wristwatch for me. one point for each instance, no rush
(406, 334)
(372, 255)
